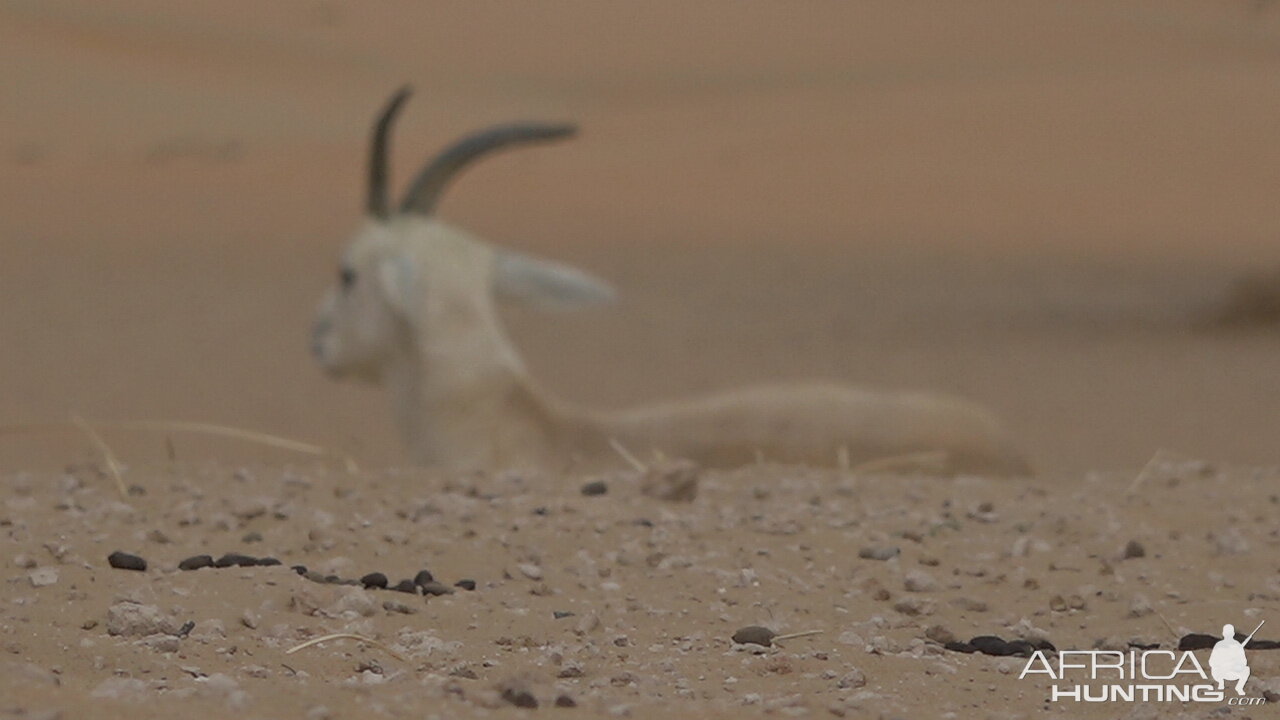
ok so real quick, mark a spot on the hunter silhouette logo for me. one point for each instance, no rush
(1227, 661)
(1148, 675)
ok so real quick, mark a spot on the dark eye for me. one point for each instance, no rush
(347, 278)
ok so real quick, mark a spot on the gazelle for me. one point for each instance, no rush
(415, 310)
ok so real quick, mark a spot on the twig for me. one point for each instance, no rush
(347, 636)
(108, 457)
(234, 433)
(626, 455)
(789, 636)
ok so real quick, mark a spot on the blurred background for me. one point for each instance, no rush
(1042, 206)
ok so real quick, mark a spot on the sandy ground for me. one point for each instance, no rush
(1035, 205)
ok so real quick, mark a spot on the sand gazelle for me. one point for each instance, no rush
(415, 310)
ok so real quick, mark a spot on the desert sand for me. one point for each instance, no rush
(1039, 206)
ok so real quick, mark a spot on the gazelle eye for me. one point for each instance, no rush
(347, 278)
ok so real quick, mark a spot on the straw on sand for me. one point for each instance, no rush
(347, 636)
(114, 468)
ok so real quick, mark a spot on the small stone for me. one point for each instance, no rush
(249, 619)
(252, 536)
(674, 480)
(423, 577)
(1134, 549)
(881, 553)
(919, 581)
(43, 577)
(561, 614)
(268, 562)
(519, 695)
(374, 580)
(195, 562)
(157, 536)
(1057, 603)
(235, 560)
(565, 701)
(128, 619)
(466, 584)
(300, 569)
(991, 645)
(914, 606)
(854, 678)
(597, 487)
(529, 570)
(125, 561)
(24, 561)
(586, 624)
(755, 635)
(396, 606)
(1076, 602)
(406, 586)
(939, 634)
(1139, 606)
(435, 589)
(570, 671)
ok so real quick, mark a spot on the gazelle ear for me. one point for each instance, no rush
(545, 284)
(398, 281)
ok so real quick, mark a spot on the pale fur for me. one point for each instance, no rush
(419, 316)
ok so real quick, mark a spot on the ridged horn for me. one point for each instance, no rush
(425, 191)
(379, 201)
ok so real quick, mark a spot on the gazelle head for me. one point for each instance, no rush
(411, 286)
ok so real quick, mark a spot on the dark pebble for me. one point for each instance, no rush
(961, 647)
(423, 577)
(755, 635)
(300, 569)
(562, 614)
(374, 580)
(520, 698)
(268, 562)
(406, 586)
(333, 579)
(125, 561)
(565, 701)
(466, 584)
(991, 645)
(597, 487)
(235, 560)
(195, 562)
(186, 628)
(1134, 549)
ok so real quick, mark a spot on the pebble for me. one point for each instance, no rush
(235, 560)
(374, 580)
(1134, 549)
(434, 588)
(919, 581)
(594, 488)
(466, 584)
(852, 679)
(755, 635)
(195, 562)
(43, 577)
(519, 695)
(529, 570)
(565, 701)
(268, 562)
(879, 553)
(423, 577)
(396, 606)
(129, 619)
(406, 586)
(125, 561)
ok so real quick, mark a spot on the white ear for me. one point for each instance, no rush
(397, 278)
(545, 284)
